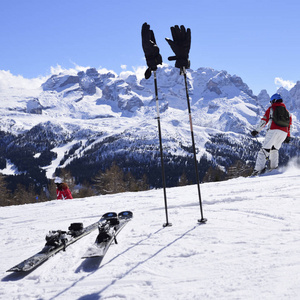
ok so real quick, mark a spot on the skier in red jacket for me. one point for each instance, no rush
(275, 136)
(62, 190)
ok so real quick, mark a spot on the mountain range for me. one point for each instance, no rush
(84, 121)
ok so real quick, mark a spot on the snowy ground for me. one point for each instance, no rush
(249, 248)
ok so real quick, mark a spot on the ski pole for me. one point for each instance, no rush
(161, 152)
(202, 220)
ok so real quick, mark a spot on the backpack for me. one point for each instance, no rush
(281, 116)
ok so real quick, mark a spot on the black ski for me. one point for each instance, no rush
(108, 232)
(56, 241)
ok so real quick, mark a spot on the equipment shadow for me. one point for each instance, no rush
(89, 265)
(15, 276)
(98, 295)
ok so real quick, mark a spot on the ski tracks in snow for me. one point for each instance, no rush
(248, 248)
(142, 257)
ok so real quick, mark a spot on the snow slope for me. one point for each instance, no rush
(249, 248)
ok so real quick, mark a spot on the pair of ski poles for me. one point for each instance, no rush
(202, 220)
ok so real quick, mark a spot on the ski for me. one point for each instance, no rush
(265, 172)
(108, 232)
(56, 241)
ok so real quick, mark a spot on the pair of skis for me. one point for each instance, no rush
(109, 225)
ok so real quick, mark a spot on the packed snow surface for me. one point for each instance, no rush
(248, 249)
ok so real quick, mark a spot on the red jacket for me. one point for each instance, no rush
(265, 119)
(63, 192)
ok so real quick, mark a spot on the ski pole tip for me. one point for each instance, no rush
(202, 221)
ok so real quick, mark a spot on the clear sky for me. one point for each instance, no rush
(256, 40)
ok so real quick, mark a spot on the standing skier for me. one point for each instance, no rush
(62, 190)
(278, 133)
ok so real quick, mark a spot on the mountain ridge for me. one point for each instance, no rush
(110, 118)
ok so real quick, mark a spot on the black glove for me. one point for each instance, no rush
(151, 50)
(287, 140)
(254, 133)
(180, 45)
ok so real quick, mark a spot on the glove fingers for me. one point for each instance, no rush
(151, 50)
(172, 45)
(182, 33)
(152, 37)
(180, 45)
(146, 36)
(168, 40)
(145, 31)
(174, 31)
(188, 37)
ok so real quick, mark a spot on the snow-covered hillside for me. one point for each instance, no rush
(86, 120)
(248, 249)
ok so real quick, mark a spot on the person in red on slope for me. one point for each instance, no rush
(62, 190)
(278, 133)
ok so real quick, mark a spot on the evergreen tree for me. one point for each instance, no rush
(183, 180)
(111, 181)
(4, 195)
(239, 168)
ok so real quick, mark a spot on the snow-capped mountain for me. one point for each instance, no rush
(84, 121)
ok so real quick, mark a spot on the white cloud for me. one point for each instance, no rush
(139, 72)
(125, 74)
(287, 84)
(123, 67)
(8, 80)
(58, 69)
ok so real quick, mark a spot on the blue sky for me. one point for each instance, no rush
(256, 40)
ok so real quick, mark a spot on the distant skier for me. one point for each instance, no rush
(278, 133)
(62, 190)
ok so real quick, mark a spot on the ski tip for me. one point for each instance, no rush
(202, 221)
(127, 214)
(109, 215)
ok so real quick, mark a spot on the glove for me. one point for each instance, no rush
(151, 50)
(254, 133)
(287, 140)
(180, 45)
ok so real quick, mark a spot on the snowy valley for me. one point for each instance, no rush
(84, 121)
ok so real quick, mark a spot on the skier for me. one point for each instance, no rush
(62, 190)
(275, 136)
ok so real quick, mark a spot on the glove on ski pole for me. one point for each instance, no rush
(153, 58)
(151, 50)
(180, 45)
